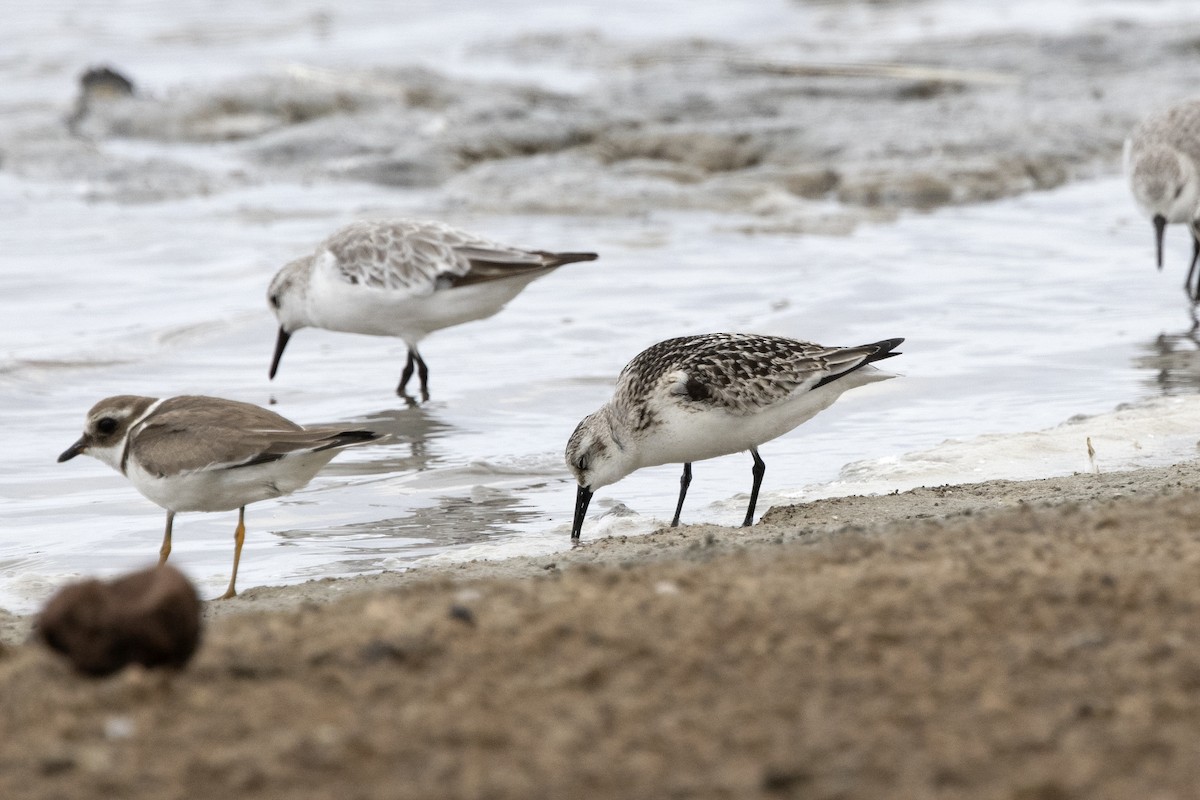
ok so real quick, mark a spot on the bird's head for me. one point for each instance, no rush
(105, 429)
(1166, 187)
(287, 297)
(597, 457)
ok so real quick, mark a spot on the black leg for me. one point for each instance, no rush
(1190, 286)
(405, 375)
(758, 470)
(684, 481)
(422, 373)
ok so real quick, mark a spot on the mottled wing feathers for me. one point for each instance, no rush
(741, 373)
(185, 435)
(422, 257)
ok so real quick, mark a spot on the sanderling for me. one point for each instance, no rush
(98, 85)
(404, 278)
(193, 453)
(1162, 163)
(698, 397)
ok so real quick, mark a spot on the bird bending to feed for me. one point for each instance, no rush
(404, 278)
(194, 453)
(1162, 164)
(698, 397)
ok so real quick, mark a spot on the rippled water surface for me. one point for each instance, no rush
(1018, 315)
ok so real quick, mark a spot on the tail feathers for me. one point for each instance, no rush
(877, 351)
(355, 436)
(347, 438)
(490, 269)
(558, 259)
(884, 349)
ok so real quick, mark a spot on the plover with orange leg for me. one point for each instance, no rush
(403, 278)
(194, 453)
(699, 397)
(1162, 164)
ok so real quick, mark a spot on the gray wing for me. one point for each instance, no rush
(1178, 126)
(422, 257)
(203, 433)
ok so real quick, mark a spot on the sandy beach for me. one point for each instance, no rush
(1004, 639)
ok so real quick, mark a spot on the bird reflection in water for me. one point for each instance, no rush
(405, 446)
(1171, 361)
(452, 521)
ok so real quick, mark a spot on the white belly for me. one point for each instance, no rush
(338, 306)
(687, 435)
(227, 489)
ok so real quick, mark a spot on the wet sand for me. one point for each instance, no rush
(772, 132)
(1006, 639)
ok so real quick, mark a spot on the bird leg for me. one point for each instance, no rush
(406, 374)
(1193, 288)
(414, 360)
(165, 550)
(423, 373)
(684, 481)
(239, 537)
(758, 470)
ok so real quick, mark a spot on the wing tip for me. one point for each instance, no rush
(357, 436)
(885, 348)
(558, 259)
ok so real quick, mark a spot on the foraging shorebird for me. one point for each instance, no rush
(403, 278)
(194, 453)
(699, 397)
(1162, 164)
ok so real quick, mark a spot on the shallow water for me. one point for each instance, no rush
(1019, 315)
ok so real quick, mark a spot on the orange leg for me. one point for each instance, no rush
(239, 537)
(165, 550)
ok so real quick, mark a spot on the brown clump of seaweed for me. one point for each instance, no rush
(150, 618)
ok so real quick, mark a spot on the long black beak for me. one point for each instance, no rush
(1160, 222)
(281, 343)
(582, 498)
(72, 451)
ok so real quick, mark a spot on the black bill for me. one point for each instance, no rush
(280, 343)
(582, 498)
(1160, 222)
(73, 451)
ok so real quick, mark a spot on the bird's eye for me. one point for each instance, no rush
(274, 300)
(1178, 192)
(106, 425)
(582, 463)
